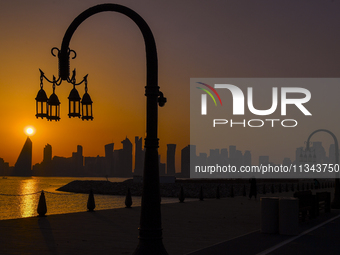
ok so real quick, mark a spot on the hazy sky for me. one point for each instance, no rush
(234, 38)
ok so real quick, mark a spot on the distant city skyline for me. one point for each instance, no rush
(110, 49)
(125, 162)
(128, 161)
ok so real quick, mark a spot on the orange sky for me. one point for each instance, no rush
(237, 38)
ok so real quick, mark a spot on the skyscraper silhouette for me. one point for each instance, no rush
(247, 158)
(109, 159)
(139, 156)
(264, 160)
(78, 161)
(298, 154)
(170, 159)
(127, 157)
(187, 153)
(45, 168)
(232, 152)
(286, 162)
(320, 152)
(123, 159)
(4, 167)
(47, 153)
(224, 158)
(23, 166)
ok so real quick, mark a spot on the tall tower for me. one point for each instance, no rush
(109, 159)
(139, 156)
(47, 153)
(188, 154)
(232, 152)
(23, 166)
(298, 154)
(247, 158)
(224, 157)
(320, 152)
(46, 168)
(126, 158)
(170, 159)
(78, 161)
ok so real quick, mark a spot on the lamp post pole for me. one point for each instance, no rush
(150, 231)
(336, 198)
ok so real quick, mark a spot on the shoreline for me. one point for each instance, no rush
(225, 188)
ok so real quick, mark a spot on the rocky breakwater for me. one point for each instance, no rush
(191, 189)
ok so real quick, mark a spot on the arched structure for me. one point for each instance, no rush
(336, 198)
(150, 231)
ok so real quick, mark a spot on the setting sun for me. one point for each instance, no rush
(29, 130)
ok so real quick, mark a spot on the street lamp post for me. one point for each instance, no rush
(336, 198)
(150, 231)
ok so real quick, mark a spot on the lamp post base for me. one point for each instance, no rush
(151, 246)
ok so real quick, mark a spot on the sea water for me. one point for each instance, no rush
(19, 196)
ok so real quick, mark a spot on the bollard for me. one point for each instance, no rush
(90, 202)
(287, 188)
(128, 199)
(42, 208)
(293, 187)
(244, 191)
(273, 189)
(264, 189)
(280, 190)
(181, 195)
(297, 187)
(201, 194)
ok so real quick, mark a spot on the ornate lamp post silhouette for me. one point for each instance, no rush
(150, 231)
(336, 198)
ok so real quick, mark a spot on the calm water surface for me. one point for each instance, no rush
(24, 203)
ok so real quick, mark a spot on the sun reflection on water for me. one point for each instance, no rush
(28, 203)
(14, 205)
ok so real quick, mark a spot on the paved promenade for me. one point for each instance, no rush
(190, 227)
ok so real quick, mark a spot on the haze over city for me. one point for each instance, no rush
(55, 174)
(194, 39)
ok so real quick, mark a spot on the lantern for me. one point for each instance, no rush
(41, 104)
(86, 107)
(74, 103)
(54, 107)
(41, 100)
